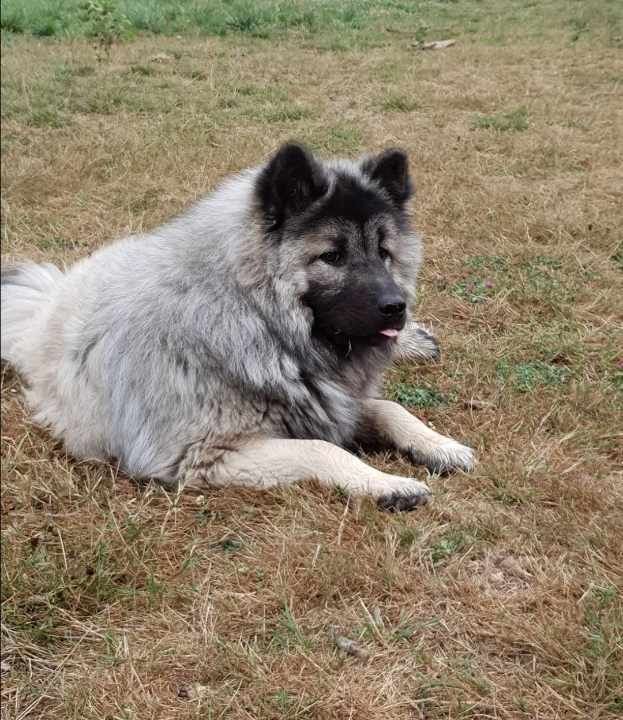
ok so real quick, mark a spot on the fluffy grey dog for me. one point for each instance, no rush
(242, 343)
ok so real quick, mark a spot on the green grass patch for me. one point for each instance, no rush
(339, 139)
(539, 279)
(527, 377)
(542, 280)
(284, 113)
(407, 537)
(42, 117)
(111, 20)
(288, 633)
(579, 26)
(416, 396)
(449, 544)
(229, 544)
(485, 280)
(399, 103)
(599, 611)
(474, 289)
(266, 104)
(143, 70)
(507, 493)
(285, 702)
(557, 341)
(493, 263)
(513, 121)
(616, 706)
(336, 24)
(541, 273)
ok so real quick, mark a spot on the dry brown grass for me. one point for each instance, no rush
(501, 600)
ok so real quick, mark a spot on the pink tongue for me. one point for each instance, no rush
(390, 332)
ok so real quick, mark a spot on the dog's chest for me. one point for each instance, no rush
(318, 409)
(329, 408)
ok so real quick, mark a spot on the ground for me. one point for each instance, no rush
(502, 599)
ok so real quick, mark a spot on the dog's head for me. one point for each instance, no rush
(343, 228)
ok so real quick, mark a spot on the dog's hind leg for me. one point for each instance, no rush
(388, 421)
(267, 462)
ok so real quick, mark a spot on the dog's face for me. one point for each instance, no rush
(343, 228)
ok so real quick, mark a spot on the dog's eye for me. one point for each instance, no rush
(335, 257)
(385, 254)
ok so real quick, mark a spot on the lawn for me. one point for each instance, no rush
(503, 598)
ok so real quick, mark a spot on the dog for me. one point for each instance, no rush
(244, 342)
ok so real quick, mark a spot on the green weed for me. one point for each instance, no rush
(579, 26)
(336, 24)
(143, 70)
(46, 117)
(105, 23)
(514, 121)
(449, 544)
(526, 377)
(598, 611)
(415, 396)
(399, 103)
(494, 263)
(474, 289)
(407, 537)
(288, 632)
(229, 544)
(403, 632)
(477, 288)
(285, 113)
(507, 494)
(284, 700)
(339, 139)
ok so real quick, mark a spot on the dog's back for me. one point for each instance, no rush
(107, 352)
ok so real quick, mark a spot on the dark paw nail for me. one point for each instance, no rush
(401, 502)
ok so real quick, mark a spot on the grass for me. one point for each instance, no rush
(526, 377)
(414, 396)
(500, 600)
(343, 21)
(399, 103)
(514, 121)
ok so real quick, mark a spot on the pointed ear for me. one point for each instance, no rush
(390, 170)
(291, 181)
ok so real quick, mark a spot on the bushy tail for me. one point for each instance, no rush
(25, 291)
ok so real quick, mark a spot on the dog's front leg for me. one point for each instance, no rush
(267, 462)
(415, 343)
(396, 426)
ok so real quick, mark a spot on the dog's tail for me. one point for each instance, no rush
(26, 289)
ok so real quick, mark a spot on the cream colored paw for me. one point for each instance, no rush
(403, 495)
(445, 458)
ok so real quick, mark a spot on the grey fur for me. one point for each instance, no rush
(169, 350)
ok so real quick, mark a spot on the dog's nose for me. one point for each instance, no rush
(392, 307)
